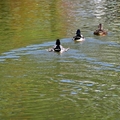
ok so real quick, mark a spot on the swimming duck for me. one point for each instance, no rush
(100, 31)
(78, 36)
(58, 47)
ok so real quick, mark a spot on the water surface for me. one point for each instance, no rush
(80, 84)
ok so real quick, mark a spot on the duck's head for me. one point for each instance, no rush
(78, 32)
(58, 42)
(100, 26)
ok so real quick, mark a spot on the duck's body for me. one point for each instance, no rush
(78, 36)
(58, 48)
(100, 31)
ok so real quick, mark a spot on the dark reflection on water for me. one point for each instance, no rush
(82, 83)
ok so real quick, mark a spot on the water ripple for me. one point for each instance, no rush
(74, 53)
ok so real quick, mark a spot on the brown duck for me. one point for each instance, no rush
(100, 31)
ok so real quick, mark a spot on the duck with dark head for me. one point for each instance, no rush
(58, 47)
(79, 36)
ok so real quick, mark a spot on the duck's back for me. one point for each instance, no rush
(57, 48)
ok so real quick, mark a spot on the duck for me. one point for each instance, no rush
(78, 36)
(100, 31)
(58, 47)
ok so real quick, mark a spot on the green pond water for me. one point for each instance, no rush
(80, 84)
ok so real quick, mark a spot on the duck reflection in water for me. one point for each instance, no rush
(100, 31)
(58, 47)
